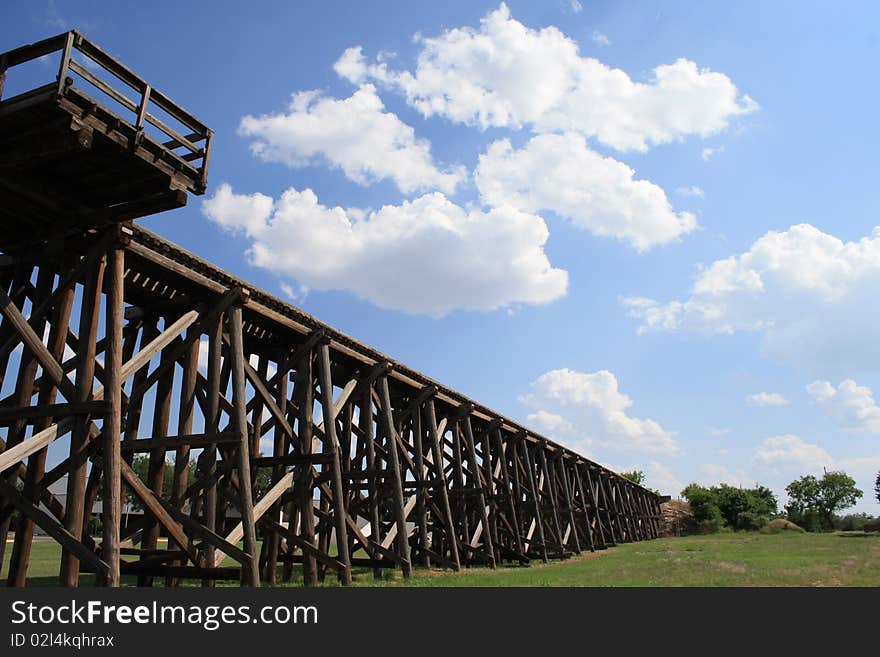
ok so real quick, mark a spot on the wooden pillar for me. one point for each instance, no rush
(441, 485)
(397, 479)
(508, 494)
(331, 443)
(522, 443)
(156, 467)
(548, 482)
(585, 505)
(36, 465)
(418, 434)
(85, 374)
(212, 428)
(250, 570)
(184, 427)
(481, 499)
(461, 510)
(280, 447)
(306, 397)
(365, 421)
(489, 492)
(566, 490)
(24, 383)
(111, 510)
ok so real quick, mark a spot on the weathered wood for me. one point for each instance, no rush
(85, 374)
(250, 570)
(111, 515)
(330, 444)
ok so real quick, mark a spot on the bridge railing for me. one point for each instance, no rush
(182, 138)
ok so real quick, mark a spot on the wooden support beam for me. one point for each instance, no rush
(331, 445)
(250, 570)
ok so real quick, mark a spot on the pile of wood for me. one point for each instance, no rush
(678, 520)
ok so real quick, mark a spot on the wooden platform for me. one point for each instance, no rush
(80, 154)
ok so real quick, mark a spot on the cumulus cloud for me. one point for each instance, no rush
(355, 134)
(427, 255)
(791, 453)
(563, 174)
(581, 409)
(850, 405)
(762, 399)
(804, 291)
(505, 74)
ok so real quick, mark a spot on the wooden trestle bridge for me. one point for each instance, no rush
(370, 463)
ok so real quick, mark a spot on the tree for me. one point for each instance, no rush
(635, 476)
(724, 505)
(813, 502)
(704, 506)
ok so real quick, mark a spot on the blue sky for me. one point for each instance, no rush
(644, 228)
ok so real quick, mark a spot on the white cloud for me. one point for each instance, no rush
(692, 190)
(708, 153)
(712, 474)
(581, 409)
(762, 399)
(354, 134)
(505, 74)
(575, 6)
(790, 453)
(717, 432)
(600, 39)
(804, 291)
(850, 405)
(599, 194)
(428, 255)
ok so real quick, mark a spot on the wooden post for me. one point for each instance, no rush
(85, 374)
(365, 420)
(250, 569)
(339, 511)
(441, 486)
(508, 495)
(566, 489)
(588, 527)
(184, 427)
(397, 479)
(306, 401)
(461, 511)
(418, 434)
(280, 447)
(522, 442)
(481, 498)
(112, 430)
(33, 483)
(212, 428)
(156, 467)
(548, 484)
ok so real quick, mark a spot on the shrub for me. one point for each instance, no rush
(751, 522)
(853, 522)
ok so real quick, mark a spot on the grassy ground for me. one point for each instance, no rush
(842, 559)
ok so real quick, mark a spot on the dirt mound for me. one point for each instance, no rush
(678, 519)
(781, 525)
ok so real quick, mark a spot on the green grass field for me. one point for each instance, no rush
(742, 559)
